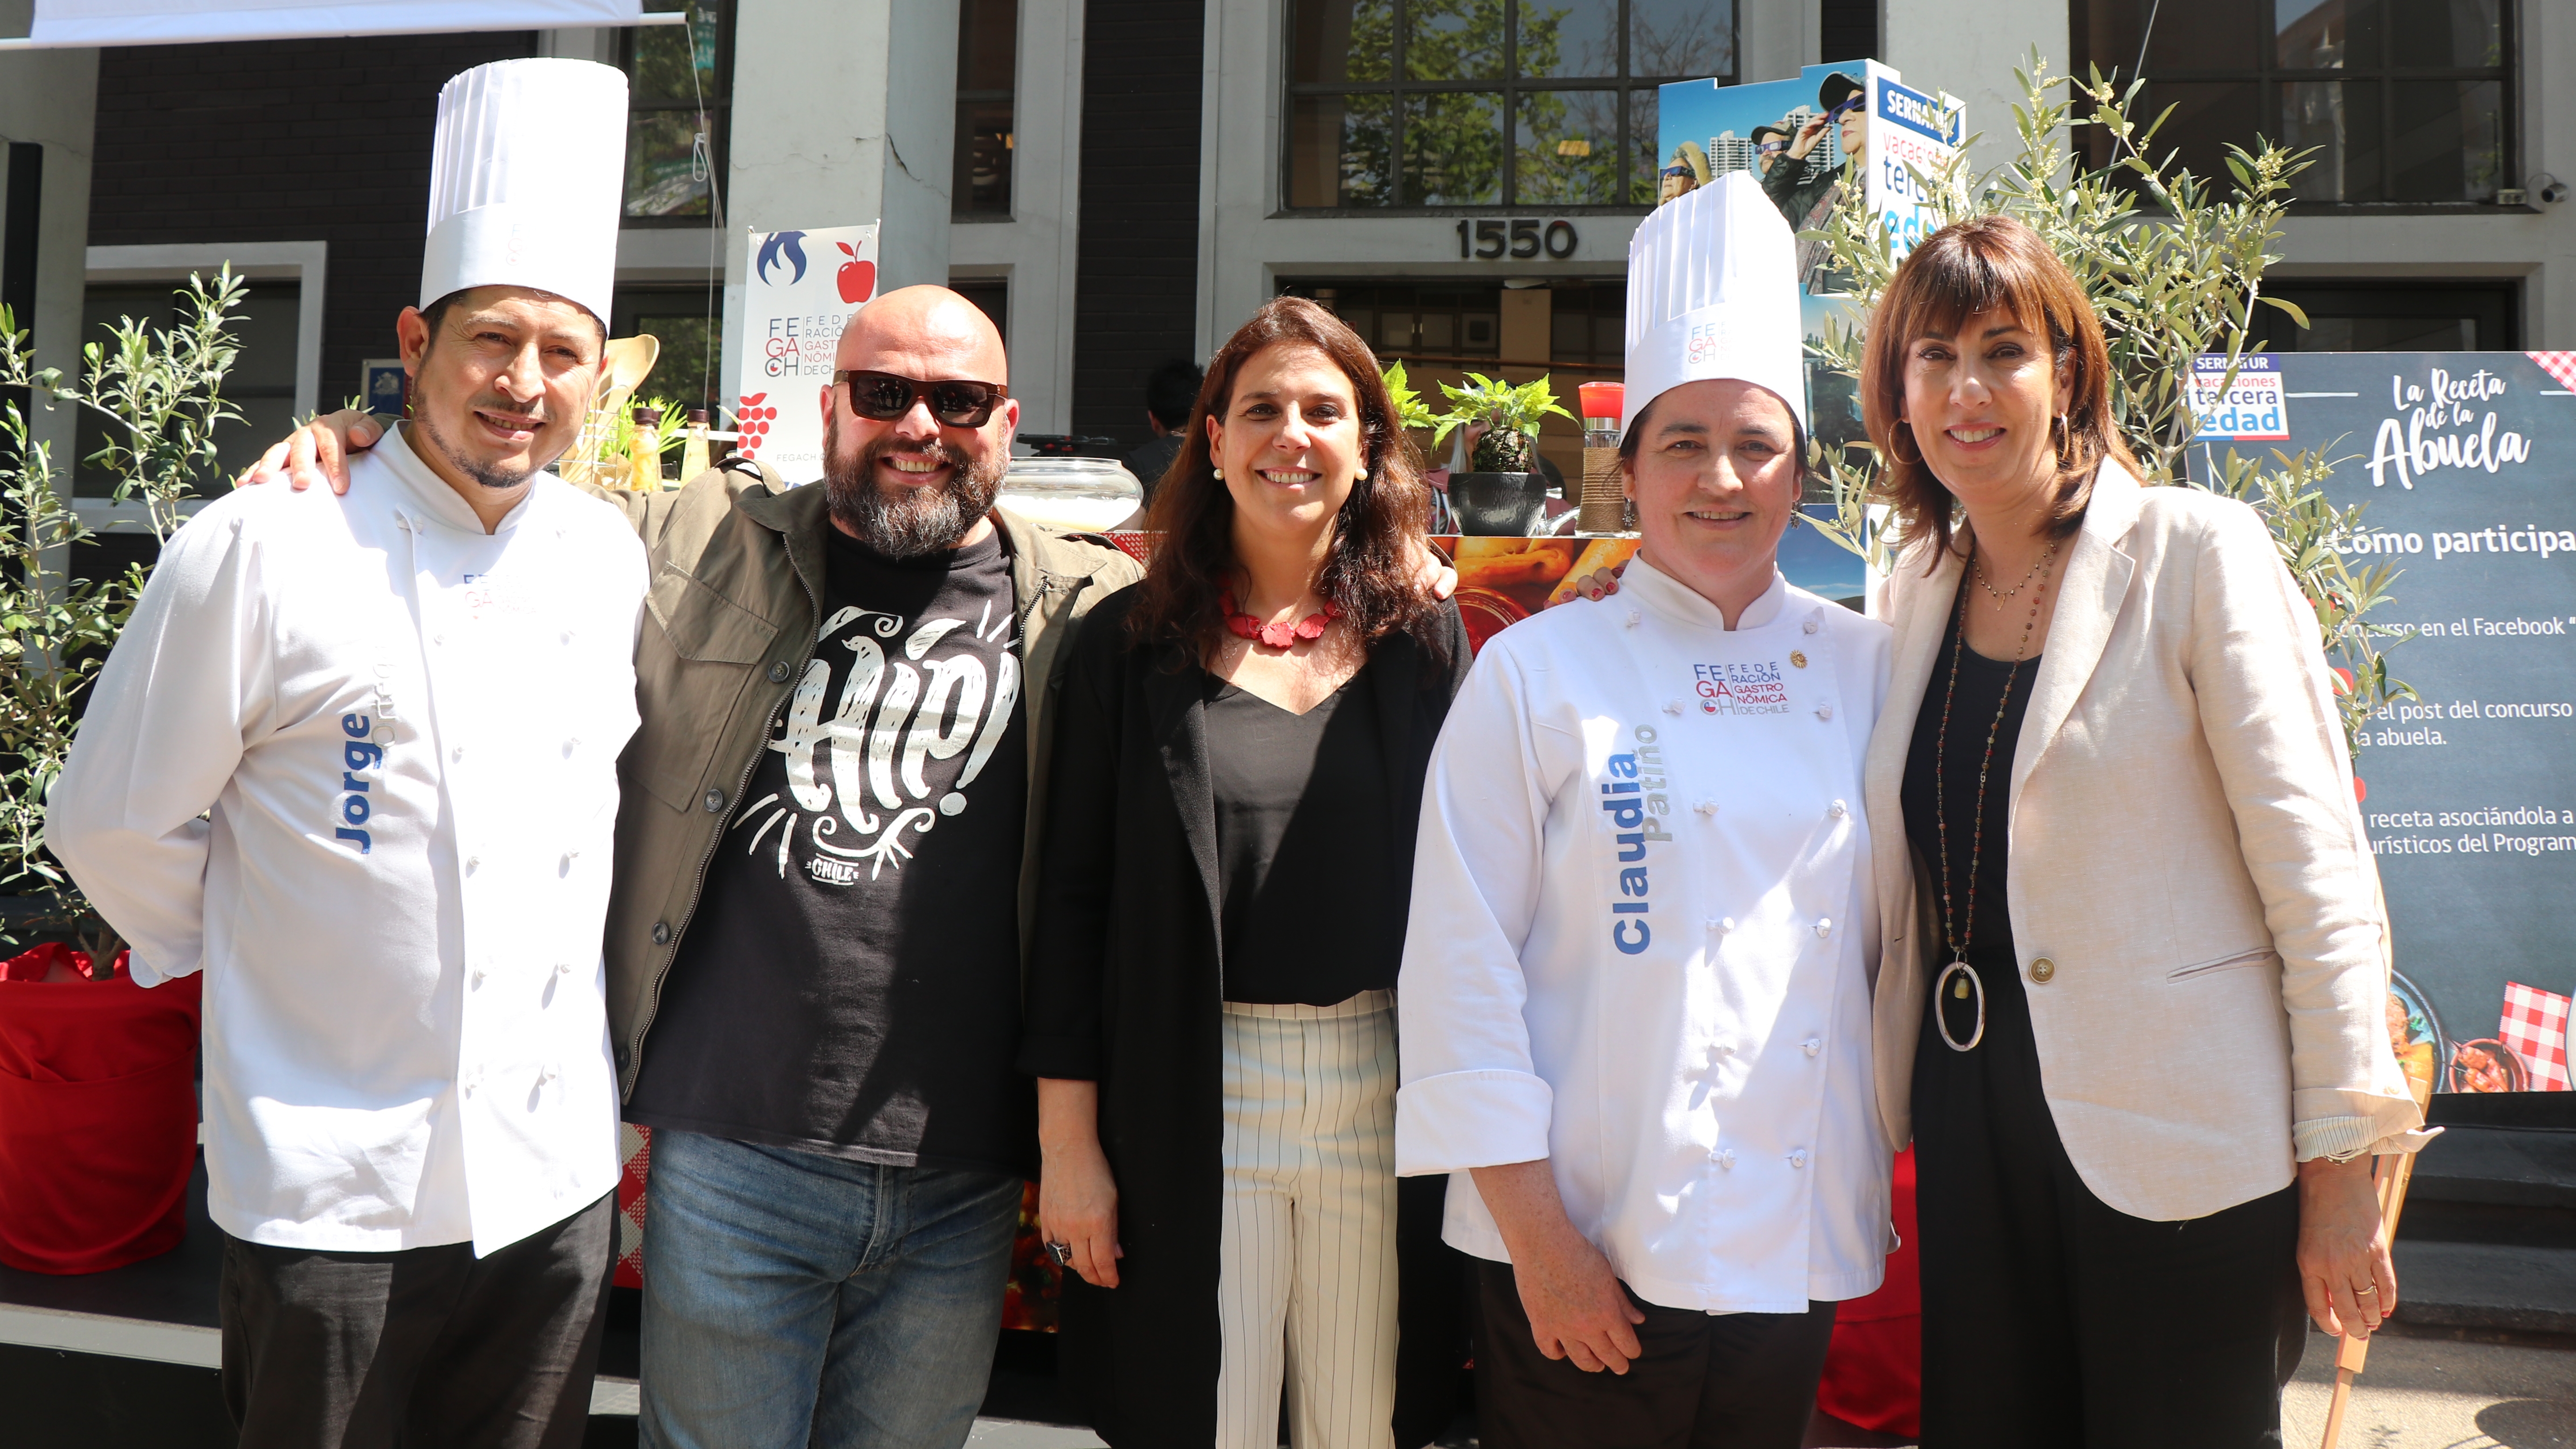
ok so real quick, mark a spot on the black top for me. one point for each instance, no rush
(1972, 715)
(1124, 990)
(1303, 841)
(865, 961)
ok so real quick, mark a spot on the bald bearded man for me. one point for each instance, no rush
(816, 921)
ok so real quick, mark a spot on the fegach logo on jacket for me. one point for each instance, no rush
(873, 740)
(1740, 688)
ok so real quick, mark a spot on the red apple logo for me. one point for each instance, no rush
(857, 279)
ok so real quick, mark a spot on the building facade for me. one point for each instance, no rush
(1122, 182)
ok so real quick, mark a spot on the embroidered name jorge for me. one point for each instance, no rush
(357, 752)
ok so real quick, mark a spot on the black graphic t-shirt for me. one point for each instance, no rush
(850, 984)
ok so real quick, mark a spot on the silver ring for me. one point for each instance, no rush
(1062, 1253)
(1942, 1021)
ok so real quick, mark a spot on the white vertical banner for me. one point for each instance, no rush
(1907, 129)
(802, 288)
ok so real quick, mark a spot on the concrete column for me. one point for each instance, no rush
(844, 112)
(51, 97)
(1940, 47)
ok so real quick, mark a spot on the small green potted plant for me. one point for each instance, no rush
(1502, 491)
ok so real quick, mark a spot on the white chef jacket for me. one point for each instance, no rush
(405, 734)
(1641, 943)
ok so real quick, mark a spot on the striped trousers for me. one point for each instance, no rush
(1306, 1288)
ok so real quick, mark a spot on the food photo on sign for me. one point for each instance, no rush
(2461, 463)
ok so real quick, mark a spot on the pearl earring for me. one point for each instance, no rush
(1216, 472)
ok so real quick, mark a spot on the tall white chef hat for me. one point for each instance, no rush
(1713, 293)
(525, 181)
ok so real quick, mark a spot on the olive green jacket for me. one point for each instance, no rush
(730, 623)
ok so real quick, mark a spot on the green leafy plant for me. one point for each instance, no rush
(2174, 265)
(1511, 416)
(160, 392)
(1410, 410)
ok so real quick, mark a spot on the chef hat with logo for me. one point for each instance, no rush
(1713, 293)
(525, 181)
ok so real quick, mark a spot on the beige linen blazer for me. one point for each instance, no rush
(2186, 855)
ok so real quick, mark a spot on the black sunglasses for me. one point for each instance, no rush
(955, 402)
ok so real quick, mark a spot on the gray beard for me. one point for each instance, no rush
(914, 521)
(490, 475)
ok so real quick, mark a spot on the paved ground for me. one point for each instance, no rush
(2418, 1393)
(2432, 1393)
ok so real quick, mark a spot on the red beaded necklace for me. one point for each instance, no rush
(1282, 635)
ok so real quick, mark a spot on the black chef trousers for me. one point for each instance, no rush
(428, 1348)
(1707, 1380)
(2050, 1319)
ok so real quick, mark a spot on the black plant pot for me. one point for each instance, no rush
(1497, 504)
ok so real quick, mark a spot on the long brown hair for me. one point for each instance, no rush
(1987, 264)
(1369, 571)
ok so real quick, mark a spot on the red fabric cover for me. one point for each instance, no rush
(98, 1114)
(1874, 1371)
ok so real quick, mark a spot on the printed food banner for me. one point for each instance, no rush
(2467, 462)
(801, 291)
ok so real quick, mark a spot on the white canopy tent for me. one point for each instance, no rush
(63, 23)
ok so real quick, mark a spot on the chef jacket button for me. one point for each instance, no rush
(566, 868)
(563, 968)
(1809, 627)
(1798, 1158)
(1672, 706)
(661, 933)
(1705, 807)
(478, 976)
(1824, 926)
(458, 753)
(2043, 970)
(1725, 1049)
(1717, 1157)
(1824, 711)
(1726, 923)
(715, 801)
(778, 672)
(1838, 810)
(1813, 1045)
(571, 744)
(1798, 658)
(1726, 1159)
(1635, 617)
(437, 638)
(473, 863)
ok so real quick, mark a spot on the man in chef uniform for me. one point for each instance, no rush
(399, 713)
(1635, 992)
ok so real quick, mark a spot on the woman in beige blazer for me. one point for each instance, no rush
(2133, 966)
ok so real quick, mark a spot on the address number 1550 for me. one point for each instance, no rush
(1518, 239)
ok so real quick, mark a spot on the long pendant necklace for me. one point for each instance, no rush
(1959, 978)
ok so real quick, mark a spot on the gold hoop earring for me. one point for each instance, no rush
(1914, 462)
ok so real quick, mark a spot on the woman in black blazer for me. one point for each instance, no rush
(1238, 768)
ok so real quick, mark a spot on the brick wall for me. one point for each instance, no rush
(1136, 278)
(296, 140)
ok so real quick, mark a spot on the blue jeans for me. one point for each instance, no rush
(794, 1299)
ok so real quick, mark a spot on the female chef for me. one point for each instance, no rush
(1635, 1000)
